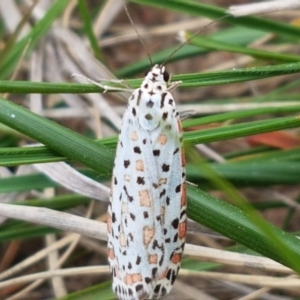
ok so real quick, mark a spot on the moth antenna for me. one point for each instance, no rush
(191, 37)
(138, 34)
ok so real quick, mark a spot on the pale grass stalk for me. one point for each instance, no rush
(256, 280)
(57, 283)
(56, 219)
(217, 108)
(62, 291)
(70, 272)
(191, 292)
(263, 7)
(234, 259)
(74, 181)
(256, 294)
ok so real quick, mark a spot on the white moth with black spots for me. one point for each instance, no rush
(147, 211)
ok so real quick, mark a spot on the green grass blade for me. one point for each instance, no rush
(58, 138)
(208, 43)
(239, 130)
(213, 12)
(232, 222)
(188, 80)
(89, 28)
(32, 38)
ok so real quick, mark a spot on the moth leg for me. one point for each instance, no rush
(174, 85)
(107, 87)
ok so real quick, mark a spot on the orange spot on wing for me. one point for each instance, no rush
(139, 165)
(183, 194)
(124, 207)
(134, 136)
(182, 158)
(133, 278)
(162, 139)
(162, 214)
(109, 223)
(122, 239)
(152, 259)
(117, 270)
(179, 125)
(164, 274)
(148, 234)
(162, 181)
(110, 253)
(182, 229)
(144, 198)
(176, 258)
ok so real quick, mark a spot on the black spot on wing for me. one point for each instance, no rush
(183, 213)
(157, 288)
(147, 280)
(156, 152)
(150, 104)
(163, 192)
(126, 163)
(130, 198)
(165, 116)
(175, 223)
(176, 150)
(140, 180)
(134, 111)
(168, 200)
(137, 149)
(130, 236)
(161, 261)
(165, 168)
(174, 273)
(139, 97)
(154, 272)
(163, 291)
(175, 238)
(169, 274)
(162, 101)
(139, 287)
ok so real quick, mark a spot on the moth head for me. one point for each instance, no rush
(158, 73)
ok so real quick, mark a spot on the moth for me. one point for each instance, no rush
(147, 217)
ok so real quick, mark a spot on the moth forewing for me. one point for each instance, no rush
(147, 212)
